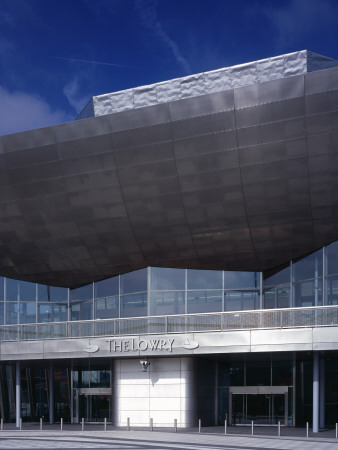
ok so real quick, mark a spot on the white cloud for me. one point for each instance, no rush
(71, 91)
(21, 111)
(148, 14)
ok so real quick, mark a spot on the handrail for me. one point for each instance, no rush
(180, 323)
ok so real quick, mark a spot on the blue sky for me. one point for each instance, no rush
(56, 54)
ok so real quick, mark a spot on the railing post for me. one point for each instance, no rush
(166, 324)
(61, 425)
(281, 319)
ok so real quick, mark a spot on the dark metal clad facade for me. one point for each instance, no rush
(243, 179)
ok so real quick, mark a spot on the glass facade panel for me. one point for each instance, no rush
(52, 313)
(81, 311)
(241, 280)
(134, 305)
(332, 290)
(106, 308)
(2, 318)
(231, 373)
(52, 294)
(166, 303)
(107, 288)
(134, 281)
(258, 373)
(12, 313)
(281, 277)
(204, 301)
(204, 279)
(308, 293)
(332, 258)
(276, 297)
(20, 290)
(27, 312)
(2, 286)
(309, 267)
(81, 293)
(241, 300)
(167, 279)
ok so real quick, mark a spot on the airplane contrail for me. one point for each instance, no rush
(95, 62)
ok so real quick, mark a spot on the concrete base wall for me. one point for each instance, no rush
(165, 392)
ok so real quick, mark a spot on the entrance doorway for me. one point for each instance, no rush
(265, 405)
(93, 405)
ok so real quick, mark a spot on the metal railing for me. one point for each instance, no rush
(186, 323)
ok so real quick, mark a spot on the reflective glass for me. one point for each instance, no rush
(27, 312)
(167, 279)
(166, 303)
(281, 277)
(241, 280)
(258, 372)
(231, 373)
(52, 294)
(81, 311)
(204, 279)
(106, 288)
(106, 308)
(332, 290)
(134, 305)
(241, 300)
(281, 371)
(2, 318)
(12, 313)
(276, 297)
(52, 313)
(2, 284)
(81, 293)
(332, 258)
(308, 293)
(134, 281)
(204, 301)
(20, 290)
(309, 267)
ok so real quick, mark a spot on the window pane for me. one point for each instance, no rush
(332, 290)
(2, 283)
(204, 301)
(204, 279)
(107, 288)
(269, 298)
(81, 311)
(20, 290)
(52, 294)
(332, 258)
(281, 277)
(107, 308)
(171, 302)
(134, 305)
(27, 312)
(308, 293)
(309, 267)
(241, 280)
(258, 373)
(167, 279)
(283, 297)
(2, 318)
(134, 281)
(81, 293)
(241, 300)
(12, 313)
(52, 313)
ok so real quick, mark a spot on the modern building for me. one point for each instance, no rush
(173, 254)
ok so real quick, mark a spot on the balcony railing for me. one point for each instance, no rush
(323, 316)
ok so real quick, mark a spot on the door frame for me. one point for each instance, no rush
(263, 390)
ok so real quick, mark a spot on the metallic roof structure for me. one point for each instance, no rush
(244, 178)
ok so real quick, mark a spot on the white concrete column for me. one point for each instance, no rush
(18, 393)
(51, 395)
(322, 394)
(315, 389)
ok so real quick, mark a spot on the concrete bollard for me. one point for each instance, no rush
(199, 425)
(40, 423)
(225, 426)
(128, 423)
(279, 429)
(61, 424)
(105, 424)
(307, 429)
(175, 425)
(151, 425)
(2, 424)
(20, 423)
(252, 428)
(82, 424)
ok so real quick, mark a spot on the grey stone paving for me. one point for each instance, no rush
(30, 437)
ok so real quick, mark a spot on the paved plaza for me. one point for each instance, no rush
(95, 437)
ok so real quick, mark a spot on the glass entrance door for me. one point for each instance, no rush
(265, 409)
(94, 408)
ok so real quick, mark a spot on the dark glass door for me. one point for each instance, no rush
(94, 408)
(265, 409)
